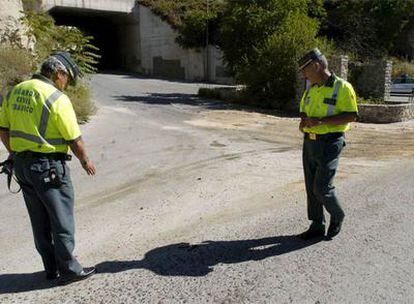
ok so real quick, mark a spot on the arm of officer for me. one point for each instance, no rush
(4, 124)
(4, 134)
(302, 123)
(78, 148)
(340, 119)
(347, 106)
(69, 129)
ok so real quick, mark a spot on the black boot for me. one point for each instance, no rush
(334, 229)
(84, 274)
(315, 231)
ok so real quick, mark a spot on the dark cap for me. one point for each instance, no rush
(309, 57)
(70, 65)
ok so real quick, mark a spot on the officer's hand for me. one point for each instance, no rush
(89, 167)
(301, 124)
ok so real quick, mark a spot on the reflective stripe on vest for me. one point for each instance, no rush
(46, 111)
(331, 107)
(42, 125)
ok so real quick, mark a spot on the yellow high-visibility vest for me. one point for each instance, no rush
(39, 117)
(335, 97)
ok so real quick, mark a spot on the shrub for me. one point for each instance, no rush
(264, 58)
(81, 100)
(48, 38)
(274, 78)
(195, 28)
(209, 93)
(16, 64)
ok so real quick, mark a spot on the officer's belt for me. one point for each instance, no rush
(54, 156)
(323, 137)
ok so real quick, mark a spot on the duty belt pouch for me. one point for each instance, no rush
(53, 178)
(47, 173)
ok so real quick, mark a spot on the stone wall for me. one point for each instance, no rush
(386, 113)
(11, 29)
(339, 65)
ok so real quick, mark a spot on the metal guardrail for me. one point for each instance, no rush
(402, 97)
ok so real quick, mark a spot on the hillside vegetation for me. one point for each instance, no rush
(17, 63)
(175, 11)
(262, 39)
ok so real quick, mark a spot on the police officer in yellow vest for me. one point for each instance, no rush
(327, 107)
(38, 125)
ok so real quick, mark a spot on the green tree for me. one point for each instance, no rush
(262, 41)
(196, 25)
(367, 28)
(48, 38)
(272, 77)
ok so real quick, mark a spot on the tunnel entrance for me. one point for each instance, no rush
(116, 34)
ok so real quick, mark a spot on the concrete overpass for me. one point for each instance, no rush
(119, 6)
(132, 38)
(112, 23)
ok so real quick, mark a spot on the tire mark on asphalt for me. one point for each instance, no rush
(161, 176)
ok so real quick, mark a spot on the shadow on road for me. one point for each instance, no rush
(181, 259)
(175, 98)
(21, 282)
(194, 100)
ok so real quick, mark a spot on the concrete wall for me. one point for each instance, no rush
(125, 6)
(129, 43)
(160, 54)
(147, 44)
(217, 71)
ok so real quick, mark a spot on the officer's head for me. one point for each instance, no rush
(61, 69)
(312, 65)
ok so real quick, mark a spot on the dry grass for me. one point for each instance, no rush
(82, 103)
(402, 67)
(16, 64)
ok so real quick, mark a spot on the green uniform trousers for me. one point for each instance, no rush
(50, 209)
(320, 161)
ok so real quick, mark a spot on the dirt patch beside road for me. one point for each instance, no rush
(371, 141)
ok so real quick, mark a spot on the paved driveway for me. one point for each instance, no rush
(198, 202)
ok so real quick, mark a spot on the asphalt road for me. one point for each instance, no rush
(198, 202)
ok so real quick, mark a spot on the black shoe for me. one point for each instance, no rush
(313, 233)
(334, 229)
(70, 278)
(50, 276)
